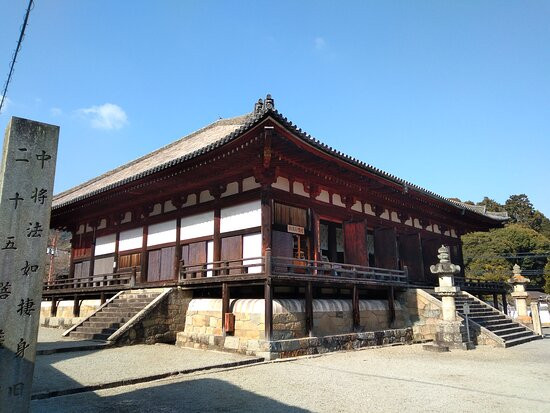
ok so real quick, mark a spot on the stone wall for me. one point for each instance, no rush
(424, 312)
(64, 318)
(159, 322)
(275, 349)
(330, 317)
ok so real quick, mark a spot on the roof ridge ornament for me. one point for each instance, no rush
(269, 102)
(258, 107)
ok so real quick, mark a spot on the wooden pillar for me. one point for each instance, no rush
(391, 305)
(217, 239)
(71, 258)
(92, 253)
(266, 218)
(225, 304)
(355, 308)
(53, 308)
(177, 252)
(504, 304)
(315, 234)
(268, 299)
(76, 307)
(117, 240)
(309, 309)
(144, 256)
(495, 300)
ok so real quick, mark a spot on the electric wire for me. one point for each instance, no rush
(14, 58)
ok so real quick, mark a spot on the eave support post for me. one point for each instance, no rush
(309, 309)
(355, 309)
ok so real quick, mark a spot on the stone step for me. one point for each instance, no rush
(104, 319)
(512, 336)
(504, 326)
(93, 330)
(126, 306)
(98, 325)
(150, 296)
(88, 336)
(489, 324)
(521, 340)
(133, 301)
(487, 318)
(505, 331)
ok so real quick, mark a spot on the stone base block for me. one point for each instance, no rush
(452, 334)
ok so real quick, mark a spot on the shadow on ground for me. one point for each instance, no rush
(197, 395)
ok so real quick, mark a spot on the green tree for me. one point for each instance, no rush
(485, 253)
(520, 209)
(491, 205)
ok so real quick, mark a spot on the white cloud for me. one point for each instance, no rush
(56, 111)
(107, 116)
(320, 43)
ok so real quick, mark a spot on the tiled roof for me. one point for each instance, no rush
(213, 136)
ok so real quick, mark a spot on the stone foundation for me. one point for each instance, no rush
(275, 349)
(159, 322)
(64, 318)
(330, 317)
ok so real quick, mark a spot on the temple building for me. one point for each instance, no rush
(253, 211)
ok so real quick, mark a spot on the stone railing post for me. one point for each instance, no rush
(518, 283)
(450, 333)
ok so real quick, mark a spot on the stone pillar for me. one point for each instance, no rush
(450, 331)
(519, 282)
(26, 192)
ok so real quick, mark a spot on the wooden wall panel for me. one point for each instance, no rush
(153, 268)
(385, 248)
(355, 243)
(167, 263)
(429, 255)
(410, 255)
(282, 244)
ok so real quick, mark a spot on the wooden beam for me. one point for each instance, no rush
(144, 256)
(225, 304)
(268, 299)
(391, 304)
(309, 309)
(177, 252)
(355, 308)
(266, 219)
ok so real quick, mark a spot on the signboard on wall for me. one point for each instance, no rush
(295, 229)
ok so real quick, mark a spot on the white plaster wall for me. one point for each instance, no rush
(252, 247)
(394, 217)
(368, 209)
(157, 209)
(298, 189)
(409, 222)
(205, 196)
(127, 217)
(80, 229)
(105, 244)
(232, 189)
(161, 233)
(453, 233)
(250, 183)
(191, 200)
(417, 223)
(89, 228)
(130, 239)
(209, 256)
(337, 200)
(241, 216)
(436, 228)
(357, 206)
(385, 214)
(323, 196)
(282, 183)
(102, 224)
(168, 206)
(200, 225)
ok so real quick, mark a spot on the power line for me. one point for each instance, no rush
(21, 36)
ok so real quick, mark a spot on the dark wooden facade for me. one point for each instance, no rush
(315, 206)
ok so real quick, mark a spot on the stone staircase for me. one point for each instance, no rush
(102, 324)
(508, 331)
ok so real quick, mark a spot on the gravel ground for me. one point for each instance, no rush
(62, 371)
(382, 380)
(52, 335)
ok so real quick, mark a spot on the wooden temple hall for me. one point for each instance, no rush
(252, 215)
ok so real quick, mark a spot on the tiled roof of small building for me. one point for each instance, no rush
(215, 135)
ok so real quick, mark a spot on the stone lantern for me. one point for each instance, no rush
(519, 282)
(450, 332)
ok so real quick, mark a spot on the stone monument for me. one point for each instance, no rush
(26, 187)
(450, 331)
(519, 282)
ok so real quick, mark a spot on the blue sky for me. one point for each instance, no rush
(452, 96)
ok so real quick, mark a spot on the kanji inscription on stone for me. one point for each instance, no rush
(26, 182)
